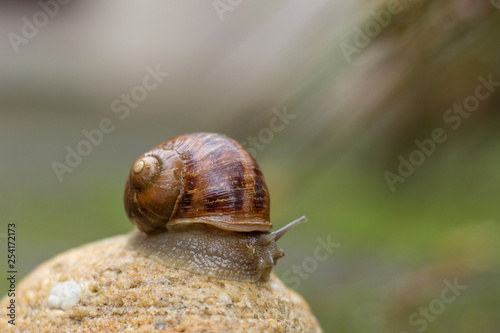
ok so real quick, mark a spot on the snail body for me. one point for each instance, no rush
(201, 204)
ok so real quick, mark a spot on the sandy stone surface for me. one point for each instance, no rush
(122, 291)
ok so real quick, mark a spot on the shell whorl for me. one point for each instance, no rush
(197, 178)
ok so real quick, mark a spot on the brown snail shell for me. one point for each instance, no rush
(202, 177)
(201, 204)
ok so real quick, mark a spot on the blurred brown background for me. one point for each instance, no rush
(375, 119)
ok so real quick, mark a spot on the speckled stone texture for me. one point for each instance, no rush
(123, 291)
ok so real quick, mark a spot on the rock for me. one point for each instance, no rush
(105, 286)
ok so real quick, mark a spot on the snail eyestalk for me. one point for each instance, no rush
(279, 233)
(265, 239)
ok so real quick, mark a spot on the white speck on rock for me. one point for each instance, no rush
(64, 295)
(275, 286)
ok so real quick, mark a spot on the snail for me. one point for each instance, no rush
(200, 203)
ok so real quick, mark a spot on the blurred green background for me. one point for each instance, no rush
(361, 81)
